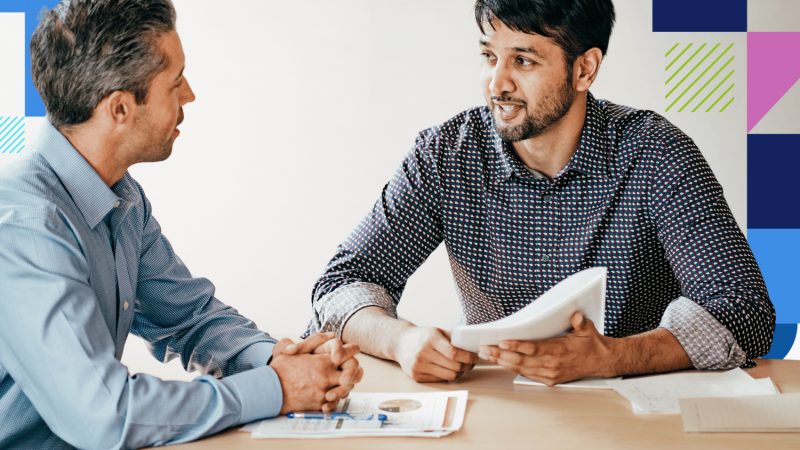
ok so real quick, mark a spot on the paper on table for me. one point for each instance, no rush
(660, 394)
(771, 413)
(588, 383)
(431, 414)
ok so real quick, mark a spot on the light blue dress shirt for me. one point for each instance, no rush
(81, 266)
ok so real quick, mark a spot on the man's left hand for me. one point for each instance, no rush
(582, 353)
(342, 355)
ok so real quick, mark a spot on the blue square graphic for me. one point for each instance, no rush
(778, 255)
(12, 6)
(773, 181)
(699, 15)
(34, 106)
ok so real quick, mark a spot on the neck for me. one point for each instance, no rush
(550, 151)
(100, 150)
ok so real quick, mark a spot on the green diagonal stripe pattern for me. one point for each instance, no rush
(705, 79)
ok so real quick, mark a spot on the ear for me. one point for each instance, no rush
(585, 69)
(120, 107)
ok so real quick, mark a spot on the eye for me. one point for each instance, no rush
(524, 62)
(490, 58)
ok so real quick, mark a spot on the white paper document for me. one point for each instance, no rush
(586, 383)
(547, 317)
(763, 414)
(429, 414)
(660, 394)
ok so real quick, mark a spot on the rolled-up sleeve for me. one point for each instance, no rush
(372, 266)
(725, 318)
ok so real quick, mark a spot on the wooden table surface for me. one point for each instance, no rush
(501, 415)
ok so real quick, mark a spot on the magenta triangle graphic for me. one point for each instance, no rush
(773, 67)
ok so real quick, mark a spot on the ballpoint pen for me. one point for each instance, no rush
(333, 416)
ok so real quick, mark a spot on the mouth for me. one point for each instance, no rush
(507, 111)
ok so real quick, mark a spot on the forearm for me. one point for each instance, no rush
(375, 331)
(654, 351)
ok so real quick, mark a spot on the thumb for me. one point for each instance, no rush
(579, 322)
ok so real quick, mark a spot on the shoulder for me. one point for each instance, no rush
(649, 136)
(27, 192)
(469, 129)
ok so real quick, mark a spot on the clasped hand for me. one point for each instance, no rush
(315, 373)
(583, 352)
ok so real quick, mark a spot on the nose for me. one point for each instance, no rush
(501, 80)
(187, 95)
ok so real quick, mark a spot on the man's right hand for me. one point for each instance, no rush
(306, 380)
(425, 354)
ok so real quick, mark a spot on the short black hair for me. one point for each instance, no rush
(84, 50)
(575, 25)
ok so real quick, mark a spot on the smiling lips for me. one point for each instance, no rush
(507, 111)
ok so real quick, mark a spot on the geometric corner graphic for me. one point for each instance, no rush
(776, 250)
(34, 12)
(782, 342)
(680, 82)
(12, 134)
(784, 116)
(699, 15)
(773, 67)
(773, 15)
(772, 182)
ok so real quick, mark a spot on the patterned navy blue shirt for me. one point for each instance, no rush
(636, 197)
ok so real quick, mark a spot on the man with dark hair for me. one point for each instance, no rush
(542, 183)
(83, 261)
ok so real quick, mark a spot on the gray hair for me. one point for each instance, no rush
(84, 50)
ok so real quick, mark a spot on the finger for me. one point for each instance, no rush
(524, 347)
(494, 355)
(442, 345)
(440, 373)
(313, 341)
(350, 370)
(432, 356)
(334, 347)
(338, 393)
(344, 352)
(281, 348)
(583, 325)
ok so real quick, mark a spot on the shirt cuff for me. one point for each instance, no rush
(254, 356)
(707, 342)
(259, 392)
(333, 310)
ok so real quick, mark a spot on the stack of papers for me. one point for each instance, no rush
(661, 394)
(431, 414)
(586, 383)
(770, 414)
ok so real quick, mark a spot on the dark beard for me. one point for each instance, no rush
(550, 110)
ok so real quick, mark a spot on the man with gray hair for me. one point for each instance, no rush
(83, 261)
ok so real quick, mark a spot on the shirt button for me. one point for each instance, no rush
(125, 306)
(545, 258)
(116, 205)
(547, 199)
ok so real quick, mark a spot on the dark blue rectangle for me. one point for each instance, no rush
(12, 6)
(773, 181)
(699, 15)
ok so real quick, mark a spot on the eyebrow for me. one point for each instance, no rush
(530, 50)
(179, 75)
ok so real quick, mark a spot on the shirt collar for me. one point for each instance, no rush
(590, 158)
(90, 193)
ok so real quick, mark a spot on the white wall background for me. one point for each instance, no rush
(305, 109)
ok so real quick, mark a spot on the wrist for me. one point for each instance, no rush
(614, 350)
(401, 336)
